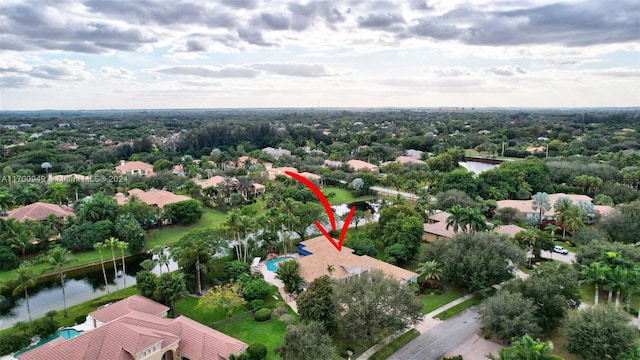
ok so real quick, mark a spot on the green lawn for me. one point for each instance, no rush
(432, 302)
(164, 236)
(458, 308)
(587, 293)
(344, 196)
(245, 328)
(396, 344)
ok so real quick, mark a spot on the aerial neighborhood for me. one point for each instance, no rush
(320, 180)
(195, 242)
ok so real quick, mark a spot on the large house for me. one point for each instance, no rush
(317, 255)
(153, 197)
(436, 228)
(359, 165)
(134, 168)
(39, 211)
(136, 328)
(526, 206)
(247, 189)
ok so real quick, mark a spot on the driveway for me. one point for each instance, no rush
(569, 258)
(456, 335)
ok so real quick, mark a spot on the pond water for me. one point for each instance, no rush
(80, 285)
(477, 167)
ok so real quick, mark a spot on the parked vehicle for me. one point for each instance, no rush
(560, 250)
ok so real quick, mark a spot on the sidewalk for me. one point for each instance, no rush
(427, 323)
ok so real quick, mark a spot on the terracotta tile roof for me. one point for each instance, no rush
(213, 181)
(438, 225)
(136, 331)
(344, 262)
(358, 165)
(153, 197)
(273, 172)
(409, 160)
(525, 206)
(509, 230)
(310, 176)
(130, 166)
(39, 211)
(125, 306)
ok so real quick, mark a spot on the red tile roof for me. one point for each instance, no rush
(137, 331)
(153, 197)
(39, 211)
(125, 306)
(133, 165)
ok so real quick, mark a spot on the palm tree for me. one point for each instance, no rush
(113, 243)
(574, 218)
(431, 270)
(595, 274)
(633, 286)
(246, 226)
(123, 246)
(58, 257)
(21, 240)
(99, 247)
(289, 272)
(40, 231)
(561, 208)
(58, 191)
(157, 251)
(619, 277)
(476, 221)
(233, 225)
(75, 186)
(24, 278)
(526, 348)
(6, 200)
(330, 269)
(457, 218)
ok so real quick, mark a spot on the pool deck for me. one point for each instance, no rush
(270, 277)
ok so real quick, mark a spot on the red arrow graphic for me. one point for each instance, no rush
(329, 211)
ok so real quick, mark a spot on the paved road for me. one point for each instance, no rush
(569, 258)
(440, 340)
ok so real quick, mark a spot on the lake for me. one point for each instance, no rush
(80, 285)
(477, 167)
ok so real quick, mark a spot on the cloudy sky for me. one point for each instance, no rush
(134, 54)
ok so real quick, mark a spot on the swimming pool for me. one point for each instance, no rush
(271, 264)
(65, 333)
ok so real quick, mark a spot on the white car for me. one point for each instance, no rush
(560, 250)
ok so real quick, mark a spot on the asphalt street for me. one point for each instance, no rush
(441, 339)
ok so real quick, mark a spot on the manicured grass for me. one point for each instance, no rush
(188, 307)
(245, 328)
(587, 293)
(83, 309)
(458, 308)
(432, 302)
(396, 344)
(559, 348)
(172, 233)
(344, 196)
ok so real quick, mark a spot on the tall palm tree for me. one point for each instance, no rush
(40, 231)
(58, 257)
(113, 243)
(6, 200)
(457, 218)
(619, 277)
(561, 208)
(24, 279)
(99, 247)
(233, 226)
(157, 251)
(431, 270)
(123, 246)
(476, 220)
(75, 186)
(595, 274)
(247, 225)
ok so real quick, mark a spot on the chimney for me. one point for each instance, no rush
(122, 162)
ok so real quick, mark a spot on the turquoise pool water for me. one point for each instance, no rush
(271, 264)
(65, 333)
